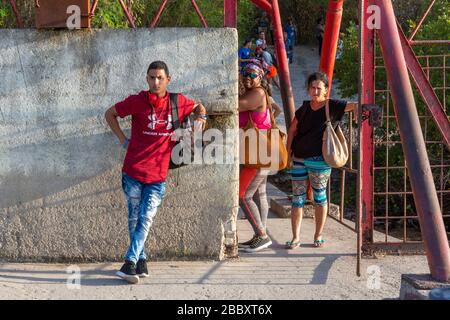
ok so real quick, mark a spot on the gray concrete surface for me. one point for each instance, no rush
(60, 180)
(281, 206)
(419, 286)
(275, 273)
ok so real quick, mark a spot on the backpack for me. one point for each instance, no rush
(185, 125)
(274, 59)
(187, 136)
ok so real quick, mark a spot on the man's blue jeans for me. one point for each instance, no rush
(143, 201)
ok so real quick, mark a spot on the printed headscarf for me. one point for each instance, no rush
(257, 66)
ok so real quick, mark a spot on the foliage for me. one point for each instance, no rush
(306, 13)
(5, 14)
(436, 26)
(178, 13)
(346, 70)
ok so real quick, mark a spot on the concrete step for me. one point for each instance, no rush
(281, 206)
(422, 287)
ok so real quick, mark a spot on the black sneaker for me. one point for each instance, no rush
(248, 243)
(259, 244)
(128, 272)
(141, 268)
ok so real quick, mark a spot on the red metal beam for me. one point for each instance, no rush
(263, 4)
(413, 144)
(162, 7)
(421, 21)
(331, 38)
(283, 66)
(197, 9)
(426, 90)
(421, 42)
(94, 7)
(365, 180)
(16, 13)
(230, 13)
(127, 13)
(158, 14)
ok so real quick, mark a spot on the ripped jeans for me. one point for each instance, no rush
(143, 201)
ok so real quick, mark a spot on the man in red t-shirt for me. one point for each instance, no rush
(147, 159)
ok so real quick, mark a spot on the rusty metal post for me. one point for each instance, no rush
(341, 205)
(364, 189)
(420, 174)
(263, 4)
(422, 42)
(157, 16)
(199, 13)
(425, 88)
(230, 13)
(331, 38)
(93, 8)
(127, 14)
(430, 6)
(285, 79)
(16, 13)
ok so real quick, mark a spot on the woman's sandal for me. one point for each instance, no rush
(319, 243)
(292, 244)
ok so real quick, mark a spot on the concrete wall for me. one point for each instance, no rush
(60, 166)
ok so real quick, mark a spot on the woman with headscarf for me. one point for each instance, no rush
(253, 106)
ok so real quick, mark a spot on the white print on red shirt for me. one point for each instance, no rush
(155, 121)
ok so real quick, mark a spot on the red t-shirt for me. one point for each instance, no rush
(148, 153)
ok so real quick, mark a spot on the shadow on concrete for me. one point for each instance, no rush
(78, 159)
(211, 271)
(83, 282)
(258, 269)
(92, 277)
(320, 270)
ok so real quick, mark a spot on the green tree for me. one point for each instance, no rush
(306, 13)
(178, 13)
(436, 26)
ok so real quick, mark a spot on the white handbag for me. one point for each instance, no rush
(334, 145)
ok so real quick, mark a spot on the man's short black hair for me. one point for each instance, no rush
(317, 76)
(158, 65)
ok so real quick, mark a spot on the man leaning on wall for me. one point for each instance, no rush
(147, 158)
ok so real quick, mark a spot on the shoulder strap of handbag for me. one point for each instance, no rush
(302, 111)
(174, 104)
(269, 106)
(327, 110)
